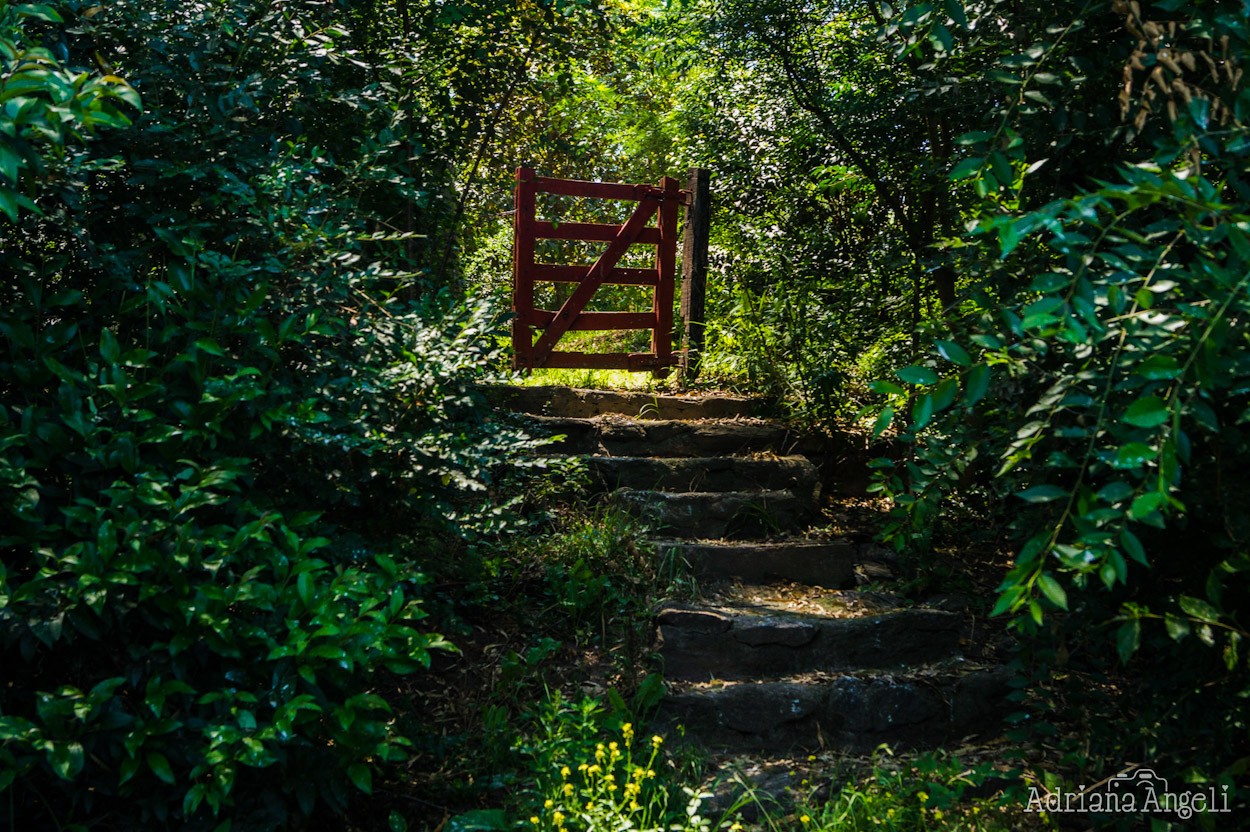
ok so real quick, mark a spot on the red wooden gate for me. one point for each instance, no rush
(661, 202)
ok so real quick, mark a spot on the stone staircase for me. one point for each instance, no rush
(781, 653)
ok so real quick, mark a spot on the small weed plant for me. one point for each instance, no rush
(593, 771)
(929, 794)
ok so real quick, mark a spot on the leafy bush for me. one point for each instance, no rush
(590, 770)
(1108, 393)
(226, 443)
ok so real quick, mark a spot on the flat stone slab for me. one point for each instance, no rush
(722, 473)
(757, 646)
(730, 515)
(574, 402)
(618, 436)
(856, 712)
(827, 564)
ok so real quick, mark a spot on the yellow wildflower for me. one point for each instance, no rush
(627, 731)
(657, 741)
(549, 803)
(804, 819)
(534, 819)
(564, 772)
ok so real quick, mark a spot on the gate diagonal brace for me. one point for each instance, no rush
(577, 301)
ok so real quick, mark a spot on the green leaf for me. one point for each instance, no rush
(1133, 455)
(1199, 609)
(954, 353)
(395, 822)
(1053, 590)
(1145, 505)
(944, 394)
(916, 374)
(887, 387)
(1158, 368)
(1042, 493)
(955, 8)
(1128, 639)
(304, 588)
(209, 346)
(361, 777)
(1010, 599)
(10, 163)
(941, 38)
(110, 350)
(975, 137)
(977, 384)
(40, 11)
(66, 759)
(160, 766)
(1114, 492)
(1147, 412)
(922, 411)
(1132, 547)
(1177, 628)
(883, 421)
(966, 168)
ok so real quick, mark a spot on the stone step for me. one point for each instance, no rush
(827, 564)
(574, 402)
(716, 515)
(699, 644)
(722, 473)
(618, 436)
(851, 711)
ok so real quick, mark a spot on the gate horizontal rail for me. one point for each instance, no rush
(660, 202)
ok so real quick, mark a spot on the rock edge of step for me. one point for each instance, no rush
(698, 644)
(829, 564)
(581, 403)
(850, 711)
(717, 515)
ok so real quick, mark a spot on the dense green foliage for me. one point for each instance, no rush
(1108, 394)
(230, 448)
(252, 254)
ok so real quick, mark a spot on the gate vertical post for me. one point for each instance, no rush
(694, 271)
(666, 264)
(523, 267)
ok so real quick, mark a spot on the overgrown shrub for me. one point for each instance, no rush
(1106, 398)
(226, 442)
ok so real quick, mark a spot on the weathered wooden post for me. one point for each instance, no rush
(694, 271)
